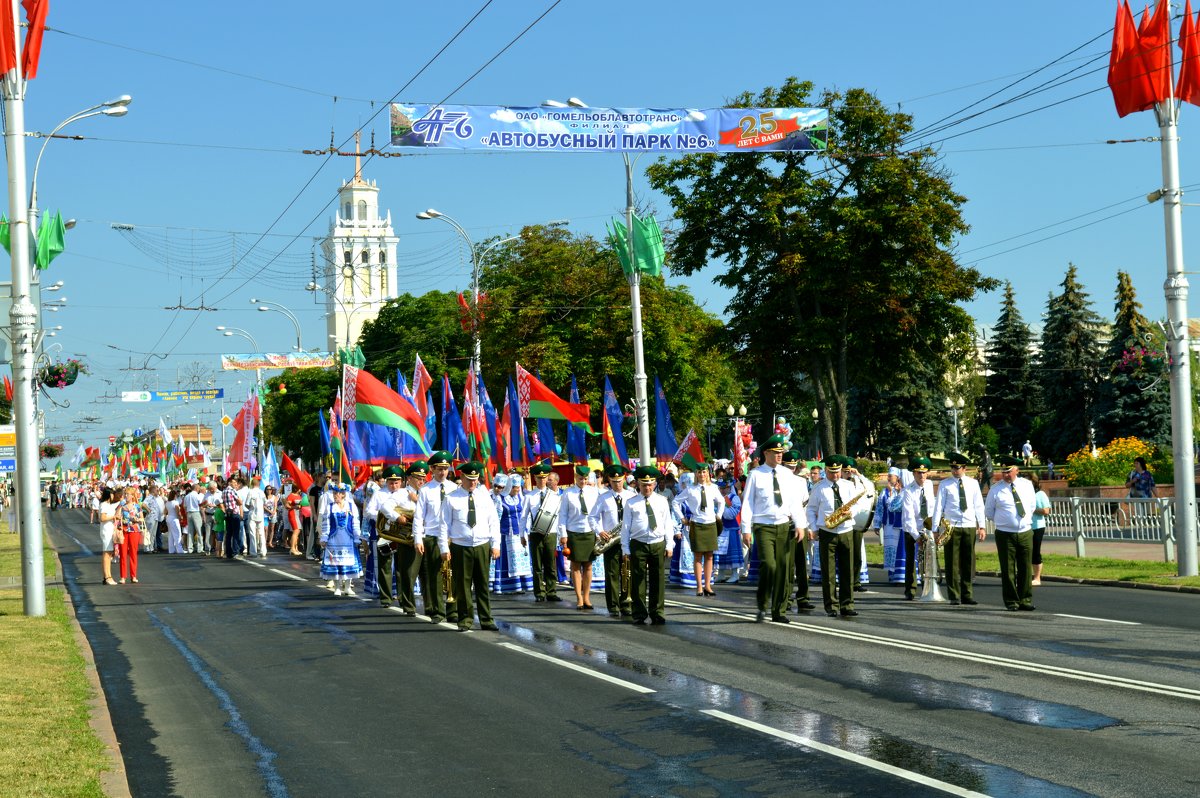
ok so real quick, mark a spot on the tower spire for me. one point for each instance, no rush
(358, 156)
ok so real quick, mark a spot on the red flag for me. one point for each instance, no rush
(35, 17)
(302, 478)
(1188, 87)
(538, 401)
(503, 437)
(464, 314)
(8, 43)
(1131, 86)
(1154, 41)
(8, 388)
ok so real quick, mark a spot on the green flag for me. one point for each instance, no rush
(352, 356)
(647, 245)
(51, 238)
(58, 470)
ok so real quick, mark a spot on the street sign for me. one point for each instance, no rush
(8, 446)
(226, 420)
(8, 464)
(112, 439)
(194, 395)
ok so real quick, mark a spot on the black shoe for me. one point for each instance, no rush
(831, 613)
(805, 604)
(970, 602)
(780, 619)
(1027, 608)
(849, 613)
(760, 617)
(614, 613)
(658, 620)
(452, 618)
(1011, 607)
(464, 628)
(489, 627)
(411, 613)
(626, 614)
(435, 619)
(540, 599)
(955, 601)
(861, 589)
(639, 621)
(909, 597)
(554, 597)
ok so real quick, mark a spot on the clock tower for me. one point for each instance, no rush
(359, 260)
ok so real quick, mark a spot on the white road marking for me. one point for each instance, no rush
(1100, 620)
(289, 576)
(637, 688)
(86, 551)
(970, 656)
(907, 775)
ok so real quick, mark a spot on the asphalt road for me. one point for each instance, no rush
(238, 679)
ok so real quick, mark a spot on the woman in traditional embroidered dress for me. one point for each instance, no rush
(341, 533)
(887, 524)
(509, 576)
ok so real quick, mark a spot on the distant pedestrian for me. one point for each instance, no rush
(1141, 481)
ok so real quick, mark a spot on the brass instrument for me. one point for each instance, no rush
(602, 546)
(943, 534)
(447, 579)
(843, 514)
(624, 578)
(930, 593)
(394, 532)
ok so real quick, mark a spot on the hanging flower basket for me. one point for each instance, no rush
(60, 375)
(1139, 360)
(49, 450)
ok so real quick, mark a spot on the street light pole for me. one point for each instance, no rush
(954, 408)
(265, 307)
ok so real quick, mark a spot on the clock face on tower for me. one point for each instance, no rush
(347, 271)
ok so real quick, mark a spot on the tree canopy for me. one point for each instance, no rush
(840, 264)
(1011, 396)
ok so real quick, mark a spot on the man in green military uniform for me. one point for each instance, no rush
(540, 519)
(647, 539)
(606, 517)
(469, 537)
(427, 521)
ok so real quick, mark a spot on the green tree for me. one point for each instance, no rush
(1010, 397)
(291, 417)
(429, 325)
(1068, 370)
(837, 272)
(1133, 400)
(907, 416)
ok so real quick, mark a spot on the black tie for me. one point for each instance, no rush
(1017, 501)
(443, 496)
(582, 503)
(620, 508)
(650, 517)
(778, 493)
(471, 510)
(837, 496)
(704, 497)
(962, 497)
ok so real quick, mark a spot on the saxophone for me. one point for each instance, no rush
(843, 514)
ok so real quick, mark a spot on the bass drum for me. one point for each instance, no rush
(864, 508)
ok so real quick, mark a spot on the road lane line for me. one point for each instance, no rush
(265, 757)
(952, 653)
(907, 775)
(86, 551)
(637, 688)
(1100, 620)
(289, 576)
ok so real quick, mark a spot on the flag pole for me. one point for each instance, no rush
(641, 406)
(1176, 290)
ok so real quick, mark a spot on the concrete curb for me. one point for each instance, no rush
(1107, 583)
(114, 781)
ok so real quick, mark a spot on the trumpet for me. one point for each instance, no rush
(624, 578)
(447, 579)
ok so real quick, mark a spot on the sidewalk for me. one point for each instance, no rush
(1113, 549)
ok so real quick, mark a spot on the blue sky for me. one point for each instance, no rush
(207, 163)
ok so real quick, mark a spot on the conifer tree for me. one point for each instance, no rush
(1010, 396)
(1068, 370)
(1135, 397)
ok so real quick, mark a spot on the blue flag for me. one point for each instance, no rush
(546, 446)
(665, 442)
(454, 437)
(324, 430)
(614, 417)
(576, 437)
(270, 470)
(409, 450)
(489, 413)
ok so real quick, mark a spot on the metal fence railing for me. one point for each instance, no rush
(1131, 520)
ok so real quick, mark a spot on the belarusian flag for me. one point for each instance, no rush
(365, 398)
(538, 401)
(343, 469)
(689, 454)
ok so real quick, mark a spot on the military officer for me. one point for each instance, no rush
(801, 548)
(427, 521)
(960, 504)
(647, 539)
(1009, 505)
(392, 501)
(542, 528)
(916, 518)
(835, 540)
(606, 520)
(772, 512)
(576, 534)
(469, 537)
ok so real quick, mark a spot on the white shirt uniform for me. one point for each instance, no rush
(1002, 509)
(606, 515)
(635, 525)
(758, 499)
(821, 504)
(948, 500)
(570, 518)
(911, 519)
(455, 515)
(703, 511)
(427, 517)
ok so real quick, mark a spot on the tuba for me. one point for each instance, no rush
(844, 513)
(614, 538)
